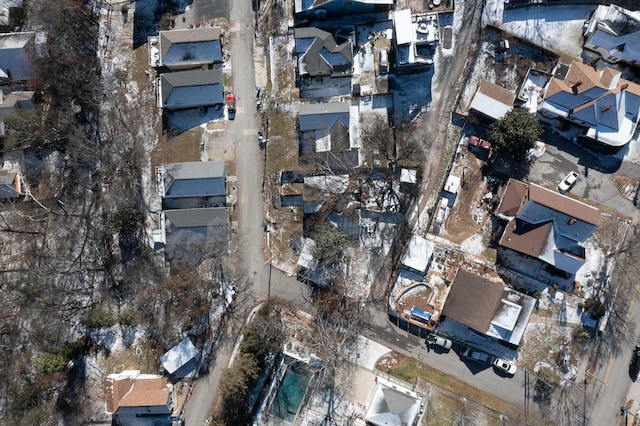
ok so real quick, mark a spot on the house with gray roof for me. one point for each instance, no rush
(193, 235)
(186, 49)
(325, 134)
(614, 33)
(190, 89)
(180, 360)
(319, 55)
(14, 62)
(326, 8)
(198, 184)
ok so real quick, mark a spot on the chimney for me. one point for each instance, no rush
(606, 108)
(575, 87)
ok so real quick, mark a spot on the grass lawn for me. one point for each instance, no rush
(182, 148)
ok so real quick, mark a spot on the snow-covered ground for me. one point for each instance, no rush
(556, 28)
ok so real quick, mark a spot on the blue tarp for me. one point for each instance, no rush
(420, 314)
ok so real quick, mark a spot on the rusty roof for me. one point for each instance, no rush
(473, 300)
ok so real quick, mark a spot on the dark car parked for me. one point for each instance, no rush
(634, 365)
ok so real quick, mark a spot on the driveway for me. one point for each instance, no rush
(596, 176)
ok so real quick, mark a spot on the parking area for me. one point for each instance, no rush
(599, 175)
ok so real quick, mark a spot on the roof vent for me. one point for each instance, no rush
(606, 108)
(624, 86)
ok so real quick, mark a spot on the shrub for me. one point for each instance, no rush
(57, 360)
(99, 318)
(581, 335)
(595, 307)
(50, 363)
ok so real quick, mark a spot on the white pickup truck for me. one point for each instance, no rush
(434, 339)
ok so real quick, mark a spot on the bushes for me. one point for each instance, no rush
(581, 335)
(57, 360)
(595, 307)
(99, 318)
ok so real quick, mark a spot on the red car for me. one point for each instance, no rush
(477, 142)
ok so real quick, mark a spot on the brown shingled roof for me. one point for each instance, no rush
(583, 74)
(607, 76)
(513, 198)
(473, 300)
(130, 390)
(525, 238)
(147, 393)
(564, 204)
(496, 92)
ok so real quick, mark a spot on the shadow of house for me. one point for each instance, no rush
(177, 50)
(193, 185)
(544, 225)
(181, 360)
(131, 396)
(326, 8)
(325, 135)
(193, 235)
(190, 89)
(15, 106)
(9, 185)
(489, 308)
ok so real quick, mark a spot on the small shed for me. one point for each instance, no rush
(418, 255)
(492, 101)
(181, 360)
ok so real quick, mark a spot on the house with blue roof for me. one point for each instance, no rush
(547, 227)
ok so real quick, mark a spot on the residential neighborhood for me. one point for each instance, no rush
(320, 212)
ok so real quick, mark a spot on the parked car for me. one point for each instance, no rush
(475, 355)
(634, 365)
(566, 183)
(434, 339)
(505, 366)
(231, 105)
(476, 142)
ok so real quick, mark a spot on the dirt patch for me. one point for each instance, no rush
(282, 150)
(468, 214)
(628, 187)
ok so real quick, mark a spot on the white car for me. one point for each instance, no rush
(432, 339)
(505, 366)
(566, 183)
